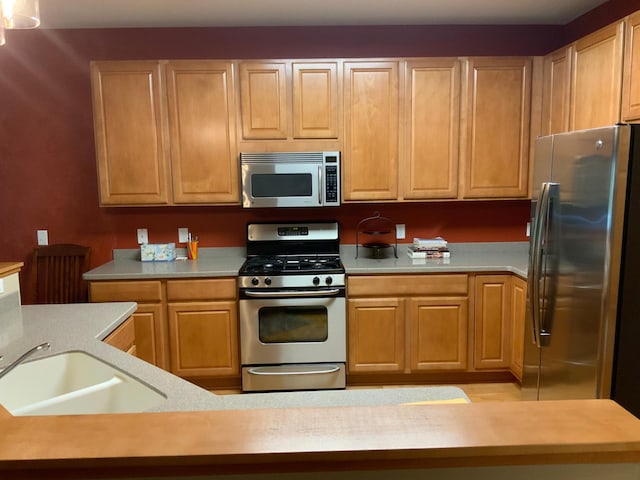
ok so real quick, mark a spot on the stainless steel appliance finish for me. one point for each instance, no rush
(290, 179)
(583, 309)
(292, 308)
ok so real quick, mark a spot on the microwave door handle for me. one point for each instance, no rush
(320, 185)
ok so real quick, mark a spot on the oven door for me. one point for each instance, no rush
(275, 331)
(281, 185)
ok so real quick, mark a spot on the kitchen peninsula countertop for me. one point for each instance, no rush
(225, 262)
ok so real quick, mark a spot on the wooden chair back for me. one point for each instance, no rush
(58, 273)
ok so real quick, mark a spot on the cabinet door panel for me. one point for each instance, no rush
(263, 97)
(132, 162)
(597, 78)
(492, 323)
(631, 70)
(556, 91)
(496, 134)
(202, 128)
(150, 334)
(204, 339)
(315, 100)
(518, 318)
(438, 333)
(376, 335)
(432, 117)
(370, 161)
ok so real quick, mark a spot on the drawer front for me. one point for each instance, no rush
(388, 285)
(206, 289)
(126, 291)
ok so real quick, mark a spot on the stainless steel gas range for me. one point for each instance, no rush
(292, 308)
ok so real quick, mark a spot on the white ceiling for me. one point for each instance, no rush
(211, 13)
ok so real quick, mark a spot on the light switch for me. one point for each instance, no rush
(400, 231)
(143, 236)
(43, 237)
(183, 235)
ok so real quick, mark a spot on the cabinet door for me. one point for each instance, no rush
(556, 94)
(495, 139)
(202, 107)
(263, 98)
(518, 313)
(631, 78)
(492, 322)
(315, 100)
(438, 333)
(376, 330)
(131, 145)
(370, 160)
(431, 122)
(204, 339)
(597, 79)
(151, 334)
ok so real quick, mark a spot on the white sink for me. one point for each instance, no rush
(74, 383)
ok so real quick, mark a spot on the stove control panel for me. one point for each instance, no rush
(291, 281)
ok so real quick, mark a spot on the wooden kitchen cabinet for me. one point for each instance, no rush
(407, 324)
(131, 141)
(492, 327)
(518, 321)
(430, 129)
(203, 328)
(289, 100)
(597, 78)
(202, 110)
(371, 130)
(556, 91)
(495, 127)
(124, 337)
(631, 70)
(149, 318)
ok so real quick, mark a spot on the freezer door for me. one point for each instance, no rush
(576, 273)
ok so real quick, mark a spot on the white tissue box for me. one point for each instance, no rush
(158, 252)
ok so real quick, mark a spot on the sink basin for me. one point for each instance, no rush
(74, 383)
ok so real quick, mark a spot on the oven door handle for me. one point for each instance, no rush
(264, 371)
(295, 293)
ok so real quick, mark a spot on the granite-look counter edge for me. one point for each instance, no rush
(225, 262)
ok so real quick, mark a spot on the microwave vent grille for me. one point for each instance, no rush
(284, 157)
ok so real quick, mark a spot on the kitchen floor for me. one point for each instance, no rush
(477, 392)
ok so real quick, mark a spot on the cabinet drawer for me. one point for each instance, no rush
(214, 288)
(126, 291)
(123, 337)
(387, 285)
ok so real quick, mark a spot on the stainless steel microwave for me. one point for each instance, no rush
(290, 179)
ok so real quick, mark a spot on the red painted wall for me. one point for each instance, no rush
(47, 156)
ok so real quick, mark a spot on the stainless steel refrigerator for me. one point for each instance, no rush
(582, 338)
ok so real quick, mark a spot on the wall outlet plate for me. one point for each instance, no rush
(43, 237)
(400, 231)
(183, 235)
(143, 236)
(528, 229)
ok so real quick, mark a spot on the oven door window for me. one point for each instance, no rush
(270, 185)
(293, 324)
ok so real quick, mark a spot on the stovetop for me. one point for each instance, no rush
(292, 265)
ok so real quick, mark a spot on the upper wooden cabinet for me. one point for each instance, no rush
(556, 91)
(495, 131)
(289, 99)
(371, 138)
(131, 142)
(154, 128)
(631, 71)
(597, 79)
(204, 156)
(430, 129)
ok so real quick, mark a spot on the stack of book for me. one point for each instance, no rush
(429, 248)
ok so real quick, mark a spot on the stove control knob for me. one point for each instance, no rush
(328, 280)
(267, 281)
(255, 281)
(316, 280)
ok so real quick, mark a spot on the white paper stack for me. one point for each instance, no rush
(429, 248)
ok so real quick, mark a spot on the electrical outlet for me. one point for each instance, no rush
(528, 229)
(400, 231)
(43, 237)
(183, 235)
(143, 236)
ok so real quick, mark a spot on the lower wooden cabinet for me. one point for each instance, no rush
(123, 337)
(149, 318)
(518, 319)
(492, 328)
(203, 328)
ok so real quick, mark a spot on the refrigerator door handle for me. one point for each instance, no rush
(535, 260)
(548, 275)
